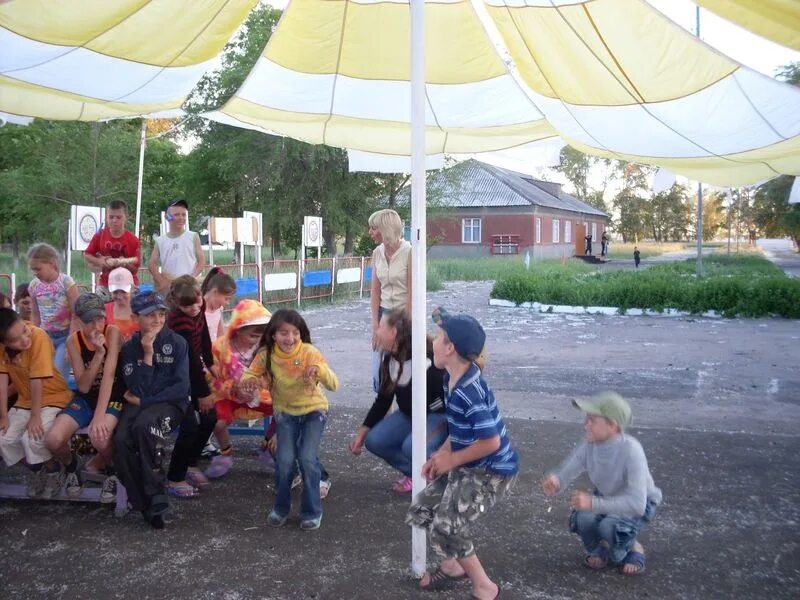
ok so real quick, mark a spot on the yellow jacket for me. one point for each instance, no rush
(290, 393)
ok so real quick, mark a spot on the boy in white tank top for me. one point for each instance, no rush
(179, 251)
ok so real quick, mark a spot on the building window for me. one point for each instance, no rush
(594, 231)
(471, 231)
(538, 230)
(568, 232)
(556, 228)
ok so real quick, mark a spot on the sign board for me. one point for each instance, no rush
(84, 222)
(312, 231)
(259, 218)
(227, 230)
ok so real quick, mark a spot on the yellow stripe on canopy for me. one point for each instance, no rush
(776, 20)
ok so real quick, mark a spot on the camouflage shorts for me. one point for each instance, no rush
(448, 505)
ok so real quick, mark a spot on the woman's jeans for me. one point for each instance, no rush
(619, 532)
(390, 439)
(298, 440)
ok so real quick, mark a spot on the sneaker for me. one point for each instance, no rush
(324, 488)
(73, 485)
(219, 467)
(36, 483)
(311, 524)
(108, 493)
(196, 478)
(53, 482)
(275, 519)
(402, 485)
(210, 450)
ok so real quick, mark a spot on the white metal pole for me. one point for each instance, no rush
(699, 263)
(418, 272)
(142, 144)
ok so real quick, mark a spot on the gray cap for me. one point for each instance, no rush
(89, 307)
(610, 405)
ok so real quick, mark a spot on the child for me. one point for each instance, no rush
(636, 256)
(233, 352)
(4, 301)
(187, 318)
(24, 302)
(625, 497)
(218, 289)
(154, 370)
(26, 361)
(389, 436)
(53, 295)
(474, 466)
(179, 250)
(113, 247)
(118, 311)
(93, 351)
(296, 370)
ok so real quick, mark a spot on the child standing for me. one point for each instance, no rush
(296, 369)
(474, 466)
(179, 251)
(154, 371)
(218, 290)
(625, 497)
(54, 294)
(187, 318)
(93, 351)
(26, 362)
(233, 353)
(637, 256)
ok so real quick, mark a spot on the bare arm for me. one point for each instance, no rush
(72, 296)
(35, 429)
(201, 257)
(152, 263)
(84, 376)
(36, 318)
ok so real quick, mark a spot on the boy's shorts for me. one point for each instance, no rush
(227, 410)
(82, 412)
(15, 444)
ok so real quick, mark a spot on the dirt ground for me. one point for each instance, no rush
(716, 405)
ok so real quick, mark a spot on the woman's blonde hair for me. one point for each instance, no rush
(389, 224)
(44, 253)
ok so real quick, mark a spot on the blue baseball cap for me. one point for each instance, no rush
(464, 332)
(144, 303)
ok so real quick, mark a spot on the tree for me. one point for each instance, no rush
(670, 214)
(577, 167)
(772, 212)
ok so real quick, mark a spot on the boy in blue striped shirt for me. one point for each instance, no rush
(474, 466)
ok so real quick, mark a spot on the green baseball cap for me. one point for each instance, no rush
(610, 405)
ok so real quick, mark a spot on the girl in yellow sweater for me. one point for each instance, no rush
(295, 372)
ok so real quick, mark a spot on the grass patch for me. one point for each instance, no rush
(647, 249)
(748, 286)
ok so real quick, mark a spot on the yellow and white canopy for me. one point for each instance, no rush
(776, 20)
(98, 59)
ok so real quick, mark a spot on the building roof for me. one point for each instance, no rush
(473, 184)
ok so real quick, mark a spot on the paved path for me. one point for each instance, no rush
(783, 254)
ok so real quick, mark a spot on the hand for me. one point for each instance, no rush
(98, 340)
(98, 430)
(247, 387)
(439, 463)
(581, 501)
(357, 444)
(272, 445)
(131, 398)
(206, 403)
(35, 429)
(374, 337)
(147, 342)
(311, 374)
(551, 485)
(3, 424)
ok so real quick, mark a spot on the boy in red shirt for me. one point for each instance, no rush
(113, 246)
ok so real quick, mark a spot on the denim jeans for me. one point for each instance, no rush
(60, 359)
(390, 439)
(298, 440)
(619, 532)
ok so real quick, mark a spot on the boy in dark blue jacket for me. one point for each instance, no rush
(154, 369)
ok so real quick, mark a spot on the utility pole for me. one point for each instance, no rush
(699, 262)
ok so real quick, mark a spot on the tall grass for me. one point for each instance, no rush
(621, 250)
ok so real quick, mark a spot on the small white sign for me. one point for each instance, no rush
(312, 231)
(85, 221)
(249, 214)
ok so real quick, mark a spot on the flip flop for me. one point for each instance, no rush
(633, 558)
(439, 580)
(182, 490)
(602, 554)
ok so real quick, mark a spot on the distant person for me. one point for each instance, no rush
(113, 246)
(474, 467)
(179, 250)
(637, 256)
(23, 302)
(391, 273)
(625, 496)
(604, 244)
(588, 240)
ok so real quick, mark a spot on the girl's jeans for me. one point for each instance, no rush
(298, 440)
(619, 532)
(60, 346)
(390, 439)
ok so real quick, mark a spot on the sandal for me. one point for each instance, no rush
(602, 553)
(439, 580)
(636, 559)
(402, 485)
(196, 478)
(182, 490)
(219, 467)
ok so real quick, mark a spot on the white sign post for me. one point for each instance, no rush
(312, 235)
(84, 222)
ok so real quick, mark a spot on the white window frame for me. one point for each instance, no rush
(472, 227)
(538, 230)
(568, 232)
(556, 231)
(594, 231)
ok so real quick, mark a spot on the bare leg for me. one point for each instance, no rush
(449, 566)
(57, 438)
(629, 569)
(483, 588)
(222, 435)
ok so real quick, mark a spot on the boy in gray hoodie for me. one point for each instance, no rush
(625, 497)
